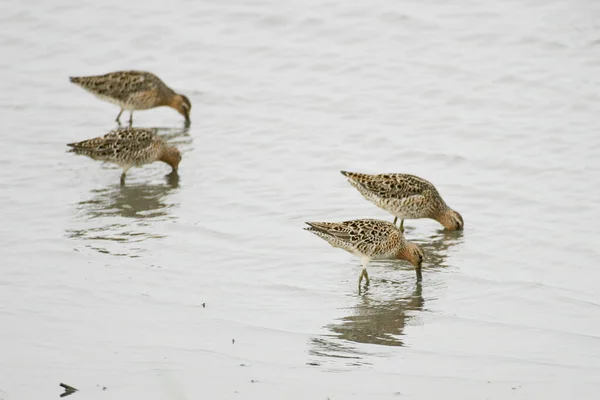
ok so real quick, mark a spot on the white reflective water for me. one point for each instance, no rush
(496, 102)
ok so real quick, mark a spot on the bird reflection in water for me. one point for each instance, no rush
(124, 214)
(383, 311)
(373, 320)
(437, 247)
(380, 321)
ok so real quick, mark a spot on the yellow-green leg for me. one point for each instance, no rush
(365, 262)
(365, 275)
(401, 224)
(119, 117)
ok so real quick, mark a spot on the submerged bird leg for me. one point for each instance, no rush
(363, 273)
(125, 169)
(119, 116)
(130, 117)
(402, 225)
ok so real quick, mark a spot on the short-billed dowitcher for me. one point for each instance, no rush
(134, 90)
(406, 197)
(129, 147)
(369, 239)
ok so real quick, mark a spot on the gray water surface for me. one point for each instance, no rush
(495, 102)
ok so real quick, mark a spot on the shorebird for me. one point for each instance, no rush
(369, 239)
(406, 197)
(129, 147)
(134, 90)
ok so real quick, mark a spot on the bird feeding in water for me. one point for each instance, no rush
(406, 197)
(370, 239)
(134, 90)
(129, 147)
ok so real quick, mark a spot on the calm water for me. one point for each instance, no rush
(496, 102)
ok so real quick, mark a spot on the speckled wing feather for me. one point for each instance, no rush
(122, 146)
(135, 135)
(120, 85)
(390, 185)
(373, 238)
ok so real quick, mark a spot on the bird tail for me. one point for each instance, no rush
(317, 226)
(84, 147)
(78, 144)
(358, 180)
(355, 176)
(320, 232)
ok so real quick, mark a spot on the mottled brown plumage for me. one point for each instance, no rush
(369, 239)
(129, 147)
(406, 197)
(134, 90)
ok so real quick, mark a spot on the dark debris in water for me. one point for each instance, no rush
(69, 390)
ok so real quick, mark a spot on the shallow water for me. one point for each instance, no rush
(495, 102)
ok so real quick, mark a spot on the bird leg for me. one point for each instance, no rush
(365, 275)
(395, 220)
(130, 117)
(119, 116)
(402, 225)
(125, 169)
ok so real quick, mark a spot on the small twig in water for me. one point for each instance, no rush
(68, 390)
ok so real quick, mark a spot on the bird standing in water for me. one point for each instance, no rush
(134, 90)
(369, 239)
(406, 197)
(129, 147)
